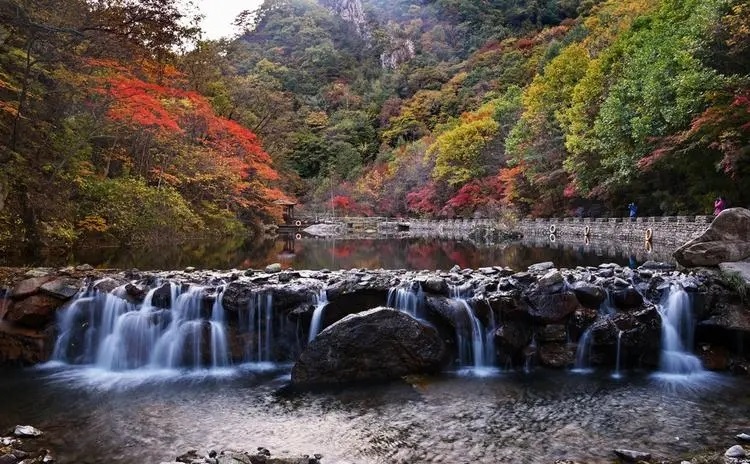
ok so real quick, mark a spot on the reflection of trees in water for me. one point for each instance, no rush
(408, 253)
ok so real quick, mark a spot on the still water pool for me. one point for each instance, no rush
(146, 417)
(331, 253)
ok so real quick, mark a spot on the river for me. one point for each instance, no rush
(95, 416)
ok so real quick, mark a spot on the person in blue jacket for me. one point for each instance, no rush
(633, 210)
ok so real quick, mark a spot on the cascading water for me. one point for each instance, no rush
(677, 327)
(107, 331)
(259, 325)
(478, 348)
(320, 303)
(408, 298)
(617, 373)
(583, 353)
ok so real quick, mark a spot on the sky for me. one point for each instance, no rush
(219, 15)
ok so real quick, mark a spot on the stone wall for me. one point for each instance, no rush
(668, 230)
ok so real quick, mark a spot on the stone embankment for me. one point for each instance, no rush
(664, 230)
(669, 230)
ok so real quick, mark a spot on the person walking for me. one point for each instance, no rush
(719, 205)
(633, 210)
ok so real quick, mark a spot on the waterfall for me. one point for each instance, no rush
(677, 335)
(259, 328)
(408, 298)
(476, 344)
(105, 330)
(530, 352)
(321, 301)
(583, 353)
(617, 373)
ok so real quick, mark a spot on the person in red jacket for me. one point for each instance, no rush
(719, 205)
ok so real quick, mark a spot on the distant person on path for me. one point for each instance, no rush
(633, 210)
(719, 205)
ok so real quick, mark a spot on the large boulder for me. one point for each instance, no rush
(727, 239)
(20, 346)
(379, 344)
(554, 307)
(35, 311)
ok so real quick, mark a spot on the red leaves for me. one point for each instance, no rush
(229, 166)
(423, 200)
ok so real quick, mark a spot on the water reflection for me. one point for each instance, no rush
(513, 418)
(296, 251)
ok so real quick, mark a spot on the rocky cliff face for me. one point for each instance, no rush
(350, 11)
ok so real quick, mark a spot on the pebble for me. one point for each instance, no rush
(735, 452)
(632, 455)
(743, 437)
(26, 431)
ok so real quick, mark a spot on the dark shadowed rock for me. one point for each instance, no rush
(590, 295)
(627, 298)
(552, 307)
(436, 285)
(727, 239)
(557, 354)
(378, 344)
(35, 311)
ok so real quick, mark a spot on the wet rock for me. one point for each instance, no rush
(552, 307)
(29, 287)
(436, 285)
(590, 295)
(511, 339)
(162, 297)
(627, 298)
(726, 240)
(553, 333)
(84, 268)
(26, 431)
(631, 455)
(39, 272)
(557, 354)
(189, 269)
(743, 437)
(541, 267)
(273, 268)
(8, 459)
(524, 278)
(735, 452)
(713, 358)
(35, 311)
(21, 346)
(551, 282)
(378, 344)
(657, 266)
(62, 288)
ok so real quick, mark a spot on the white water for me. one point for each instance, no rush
(677, 328)
(112, 335)
(583, 353)
(259, 325)
(408, 298)
(476, 344)
(617, 373)
(317, 316)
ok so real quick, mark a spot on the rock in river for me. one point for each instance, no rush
(378, 344)
(726, 240)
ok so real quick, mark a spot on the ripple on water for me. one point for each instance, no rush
(510, 417)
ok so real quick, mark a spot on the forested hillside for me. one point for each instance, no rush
(118, 122)
(458, 107)
(104, 135)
